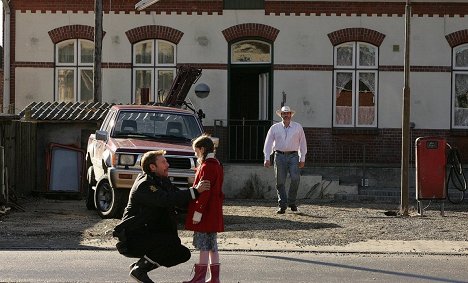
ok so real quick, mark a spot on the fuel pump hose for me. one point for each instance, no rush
(456, 175)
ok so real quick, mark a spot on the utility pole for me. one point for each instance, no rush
(405, 126)
(97, 50)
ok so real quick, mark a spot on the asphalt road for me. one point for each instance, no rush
(109, 266)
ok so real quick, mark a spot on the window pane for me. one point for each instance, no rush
(344, 99)
(461, 57)
(366, 55)
(344, 55)
(65, 85)
(142, 85)
(251, 52)
(366, 110)
(461, 100)
(143, 52)
(86, 86)
(87, 52)
(165, 78)
(165, 53)
(66, 52)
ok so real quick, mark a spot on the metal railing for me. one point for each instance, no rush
(241, 140)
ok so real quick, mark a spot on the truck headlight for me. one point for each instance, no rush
(126, 159)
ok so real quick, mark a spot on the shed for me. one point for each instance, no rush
(40, 125)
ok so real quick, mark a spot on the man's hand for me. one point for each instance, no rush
(203, 185)
(301, 164)
(266, 163)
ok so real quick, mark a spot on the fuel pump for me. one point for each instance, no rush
(434, 157)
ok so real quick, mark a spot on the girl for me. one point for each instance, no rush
(205, 214)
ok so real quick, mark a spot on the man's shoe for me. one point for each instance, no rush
(281, 210)
(140, 270)
(293, 207)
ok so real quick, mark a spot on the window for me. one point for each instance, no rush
(355, 85)
(460, 87)
(154, 68)
(74, 71)
(244, 4)
(250, 51)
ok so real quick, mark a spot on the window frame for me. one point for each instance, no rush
(154, 67)
(456, 70)
(355, 69)
(76, 66)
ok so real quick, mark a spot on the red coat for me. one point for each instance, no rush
(209, 203)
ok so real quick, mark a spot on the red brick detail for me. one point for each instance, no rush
(417, 69)
(126, 6)
(356, 34)
(457, 38)
(302, 67)
(349, 8)
(154, 32)
(250, 30)
(288, 8)
(71, 32)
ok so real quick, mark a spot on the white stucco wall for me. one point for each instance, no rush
(301, 40)
(34, 85)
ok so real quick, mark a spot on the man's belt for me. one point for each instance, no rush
(285, 152)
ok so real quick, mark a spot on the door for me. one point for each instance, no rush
(249, 112)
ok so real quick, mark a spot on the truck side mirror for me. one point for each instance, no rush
(101, 135)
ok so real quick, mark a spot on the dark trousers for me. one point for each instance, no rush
(165, 249)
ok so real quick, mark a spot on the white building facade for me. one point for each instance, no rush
(339, 64)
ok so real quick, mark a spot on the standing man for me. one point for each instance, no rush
(287, 140)
(149, 226)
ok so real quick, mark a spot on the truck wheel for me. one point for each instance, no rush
(109, 202)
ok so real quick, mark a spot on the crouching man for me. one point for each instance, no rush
(148, 229)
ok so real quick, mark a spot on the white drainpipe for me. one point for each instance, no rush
(6, 57)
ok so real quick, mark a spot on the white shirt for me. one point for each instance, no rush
(291, 138)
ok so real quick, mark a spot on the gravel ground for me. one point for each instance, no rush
(67, 223)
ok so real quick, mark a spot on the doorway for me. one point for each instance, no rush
(249, 114)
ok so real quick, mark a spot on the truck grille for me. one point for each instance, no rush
(179, 163)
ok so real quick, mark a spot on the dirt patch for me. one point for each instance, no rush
(52, 223)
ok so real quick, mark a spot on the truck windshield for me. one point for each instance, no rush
(156, 124)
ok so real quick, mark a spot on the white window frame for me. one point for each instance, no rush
(76, 66)
(454, 73)
(355, 69)
(155, 67)
(456, 70)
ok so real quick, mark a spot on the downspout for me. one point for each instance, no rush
(6, 57)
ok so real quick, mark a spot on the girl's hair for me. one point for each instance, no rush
(206, 142)
(150, 158)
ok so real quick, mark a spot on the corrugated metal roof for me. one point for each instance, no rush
(66, 111)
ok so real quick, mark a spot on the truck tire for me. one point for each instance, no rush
(109, 201)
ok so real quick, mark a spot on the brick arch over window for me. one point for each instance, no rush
(72, 32)
(356, 34)
(457, 38)
(154, 32)
(244, 30)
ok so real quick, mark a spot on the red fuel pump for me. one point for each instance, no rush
(432, 159)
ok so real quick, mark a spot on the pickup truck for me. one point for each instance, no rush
(115, 150)
(127, 132)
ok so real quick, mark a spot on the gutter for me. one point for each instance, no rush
(6, 57)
